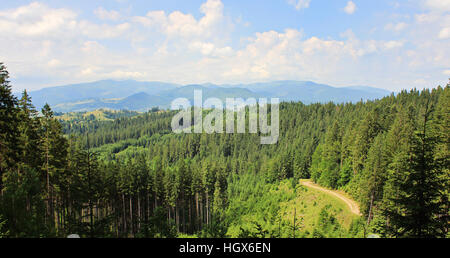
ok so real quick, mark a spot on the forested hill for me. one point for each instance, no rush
(143, 96)
(133, 177)
(364, 148)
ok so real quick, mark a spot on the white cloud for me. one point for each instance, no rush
(426, 18)
(119, 74)
(54, 63)
(436, 21)
(213, 10)
(438, 5)
(103, 14)
(179, 47)
(287, 55)
(420, 81)
(102, 31)
(350, 8)
(393, 44)
(396, 27)
(395, 4)
(87, 71)
(36, 19)
(300, 4)
(40, 21)
(178, 24)
(209, 49)
(92, 47)
(446, 72)
(444, 33)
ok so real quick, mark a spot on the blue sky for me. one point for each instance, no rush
(387, 44)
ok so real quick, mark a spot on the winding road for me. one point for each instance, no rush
(353, 206)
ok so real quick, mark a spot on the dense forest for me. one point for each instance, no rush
(132, 177)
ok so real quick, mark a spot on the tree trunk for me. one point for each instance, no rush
(124, 215)
(131, 217)
(369, 217)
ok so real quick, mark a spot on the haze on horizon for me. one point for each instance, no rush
(392, 45)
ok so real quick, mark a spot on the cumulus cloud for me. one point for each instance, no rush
(396, 27)
(54, 63)
(103, 14)
(183, 48)
(185, 25)
(350, 8)
(425, 18)
(437, 18)
(102, 31)
(299, 4)
(393, 44)
(36, 19)
(92, 47)
(39, 20)
(444, 33)
(438, 5)
(209, 49)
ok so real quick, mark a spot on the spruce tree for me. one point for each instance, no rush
(418, 184)
(8, 125)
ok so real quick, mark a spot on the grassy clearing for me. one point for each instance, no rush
(270, 211)
(308, 204)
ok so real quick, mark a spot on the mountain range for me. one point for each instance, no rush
(142, 96)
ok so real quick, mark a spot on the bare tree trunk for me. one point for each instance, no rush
(369, 217)
(148, 209)
(190, 214)
(177, 216)
(124, 216)
(207, 208)
(131, 217)
(48, 176)
(197, 212)
(139, 213)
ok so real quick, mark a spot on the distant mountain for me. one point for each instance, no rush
(369, 90)
(106, 89)
(140, 102)
(141, 96)
(310, 92)
(210, 91)
(143, 101)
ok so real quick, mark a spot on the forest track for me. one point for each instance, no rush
(353, 205)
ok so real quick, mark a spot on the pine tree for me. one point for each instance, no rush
(9, 135)
(220, 199)
(420, 185)
(29, 127)
(441, 129)
(368, 130)
(87, 189)
(54, 149)
(8, 125)
(373, 177)
(26, 180)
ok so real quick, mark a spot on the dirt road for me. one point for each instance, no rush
(354, 207)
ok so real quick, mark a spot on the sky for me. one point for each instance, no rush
(393, 45)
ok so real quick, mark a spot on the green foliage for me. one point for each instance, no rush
(327, 225)
(419, 182)
(121, 175)
(158, 226)
(3, 231)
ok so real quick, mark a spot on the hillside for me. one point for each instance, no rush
(96, 115)
(144, 180)
(142, 96)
